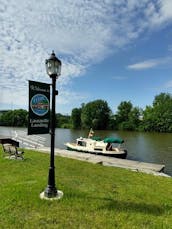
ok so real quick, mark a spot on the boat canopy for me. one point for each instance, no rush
(113, 140)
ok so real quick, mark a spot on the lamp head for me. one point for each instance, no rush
(53, 66)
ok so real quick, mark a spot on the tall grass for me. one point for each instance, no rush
(94, 196)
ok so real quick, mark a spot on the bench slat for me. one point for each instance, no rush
(12, 151)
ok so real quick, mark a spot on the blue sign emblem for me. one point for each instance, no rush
(39, 104)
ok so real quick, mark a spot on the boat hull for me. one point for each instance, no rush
(121, 154)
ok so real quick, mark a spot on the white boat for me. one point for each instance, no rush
(112, 147)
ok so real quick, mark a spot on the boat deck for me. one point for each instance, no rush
(109, 161)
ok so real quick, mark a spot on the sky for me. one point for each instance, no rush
(114, 50)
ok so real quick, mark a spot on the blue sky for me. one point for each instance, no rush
(115, 50)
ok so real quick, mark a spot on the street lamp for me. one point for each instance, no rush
(53, 68)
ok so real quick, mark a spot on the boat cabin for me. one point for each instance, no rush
(108, 144)
(84, 142)
(80, 142)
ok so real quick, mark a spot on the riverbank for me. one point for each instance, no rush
(146, 147)
(149, 168)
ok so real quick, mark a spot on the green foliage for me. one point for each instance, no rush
(128, 117)
(76, 118)
(134, 118)
(112, 123)
(14, 118)
(159, 117)
(94, 196)
(62, 121)
(148, 119)
(96, 114)
(124, 109)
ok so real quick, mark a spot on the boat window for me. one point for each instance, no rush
(81, 143)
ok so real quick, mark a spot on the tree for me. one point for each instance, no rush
(159, 116)
(128, 117)
(134, 118)
(76, 118)
(62, 121)
(148, 123)
(15, 118)
(112, 123)
(124, 109)
(20, 117)
(95, 114)
(122, 116)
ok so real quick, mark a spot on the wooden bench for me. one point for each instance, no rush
(10, 148)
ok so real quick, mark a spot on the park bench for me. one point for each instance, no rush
(10, 148)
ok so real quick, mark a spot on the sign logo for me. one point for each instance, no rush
(39, 104)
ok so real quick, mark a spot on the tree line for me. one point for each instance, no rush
(99, 116)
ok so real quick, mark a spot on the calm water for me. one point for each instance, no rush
(147, 147)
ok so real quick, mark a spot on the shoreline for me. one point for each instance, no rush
(136, 166)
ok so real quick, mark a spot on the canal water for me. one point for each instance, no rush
(146, 147)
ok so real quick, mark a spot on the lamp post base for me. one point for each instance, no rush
(56, 196)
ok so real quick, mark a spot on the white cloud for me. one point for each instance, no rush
(152, 63)
(143, 65)
(159, 13)
(80, 32)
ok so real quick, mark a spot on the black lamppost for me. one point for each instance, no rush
(53, 68)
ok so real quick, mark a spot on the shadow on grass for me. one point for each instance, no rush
(126, 206)
(118, 205)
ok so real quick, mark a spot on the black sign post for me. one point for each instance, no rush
(39, 108)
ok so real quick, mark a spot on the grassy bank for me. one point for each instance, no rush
(94, 196)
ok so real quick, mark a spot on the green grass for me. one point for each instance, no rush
(94, 196)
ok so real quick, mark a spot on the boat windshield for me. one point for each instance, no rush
(81, 143)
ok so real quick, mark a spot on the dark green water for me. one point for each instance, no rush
(147, 147)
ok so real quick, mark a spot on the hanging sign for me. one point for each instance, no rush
(39, 108)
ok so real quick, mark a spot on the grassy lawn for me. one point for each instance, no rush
(94, 196)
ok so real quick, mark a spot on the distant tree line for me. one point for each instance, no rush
(19, 118)
(14, 118)
(98, 115)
